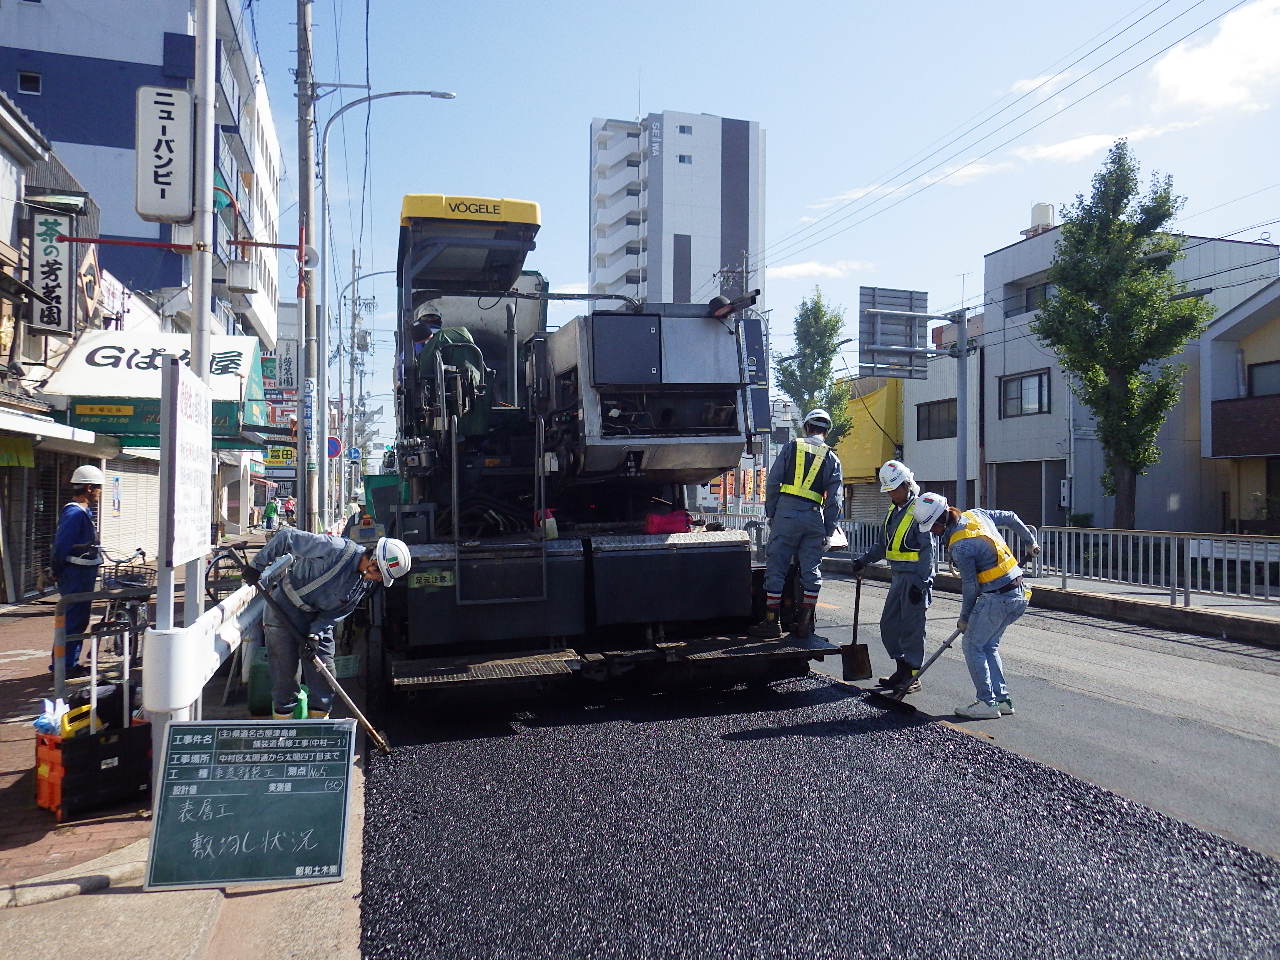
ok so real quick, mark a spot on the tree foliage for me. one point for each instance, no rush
(1111, 318)
(808, 378)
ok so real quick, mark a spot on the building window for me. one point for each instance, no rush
(686, 158)
(632, 221)
(936, 421)
(1024, 394)
(1035, 296)
(1264, 379)
(28, 82)
(684, 128)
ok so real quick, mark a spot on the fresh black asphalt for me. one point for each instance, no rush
(804, 822)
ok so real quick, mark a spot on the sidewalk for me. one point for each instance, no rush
(31, 843)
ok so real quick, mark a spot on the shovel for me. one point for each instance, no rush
(309, 651)
(855, 659)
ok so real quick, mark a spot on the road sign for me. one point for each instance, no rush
(886, 343)
(164, 142)
(251, 802)
(354, 454)
(335, 447)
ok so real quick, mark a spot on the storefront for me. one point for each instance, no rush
(113, 379)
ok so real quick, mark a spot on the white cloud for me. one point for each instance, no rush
(956, 175)
(1235, 69)
(857, 193)
(1049, 81)
(961, 175)
(572, 288)
(1083, 147)
(817, 270)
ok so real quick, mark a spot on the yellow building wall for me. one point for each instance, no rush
(1263, 345)
(864, 447)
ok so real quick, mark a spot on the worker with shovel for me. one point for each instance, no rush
(327, 580)
(994, 595)
(909, 551)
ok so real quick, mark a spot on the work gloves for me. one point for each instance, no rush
(251, 575)
(858, 567)
(1035, 551)
(962, 625)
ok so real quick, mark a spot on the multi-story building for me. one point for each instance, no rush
(1035, 448)
(77, 76)
(677, 205)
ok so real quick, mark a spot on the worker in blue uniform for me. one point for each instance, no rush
(327, 580)
(76, 557)
(994, 593)
(802, 501)
(909, 551)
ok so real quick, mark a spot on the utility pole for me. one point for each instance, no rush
(349, 486)
(309, 487)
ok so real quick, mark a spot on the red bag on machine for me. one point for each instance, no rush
(677, 521)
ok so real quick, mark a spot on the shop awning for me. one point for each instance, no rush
(11, 288)
(113, 378)
(42, 427)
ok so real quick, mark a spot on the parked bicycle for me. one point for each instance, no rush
(222, 574)
(126, 615)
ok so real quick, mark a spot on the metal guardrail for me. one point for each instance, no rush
(1226, 565)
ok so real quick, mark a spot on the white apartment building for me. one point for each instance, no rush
(676, 198)
(1034, 449)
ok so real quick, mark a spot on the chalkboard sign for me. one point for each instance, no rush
(248, 802)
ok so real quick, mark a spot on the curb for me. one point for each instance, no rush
(1147, 613)
(39, 891)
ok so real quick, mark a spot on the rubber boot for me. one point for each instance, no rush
(767, 629)
(803, 628)
(900, 673)
(909, 683)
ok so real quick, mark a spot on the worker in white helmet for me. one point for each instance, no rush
(994, 594)
(76, 557)
(802, 502)
(326, 582)
(910, 554)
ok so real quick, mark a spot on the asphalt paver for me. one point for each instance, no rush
(803, 821)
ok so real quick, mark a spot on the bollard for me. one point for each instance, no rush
(60, 649)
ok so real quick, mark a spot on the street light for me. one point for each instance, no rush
(322, 334)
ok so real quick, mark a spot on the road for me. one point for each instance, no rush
(1187, 725)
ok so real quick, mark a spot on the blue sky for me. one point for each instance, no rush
(849, 94)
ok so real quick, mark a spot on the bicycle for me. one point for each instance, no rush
(126, 615)
(222, 574)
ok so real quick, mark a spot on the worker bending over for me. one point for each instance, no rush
(802, 502)
(909, 551)
(994, 595)
(327, 580)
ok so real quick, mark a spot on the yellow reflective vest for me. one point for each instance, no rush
(810, 456)
(974, 524)
(893, 549)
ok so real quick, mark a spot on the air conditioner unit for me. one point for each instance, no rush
(240, 277)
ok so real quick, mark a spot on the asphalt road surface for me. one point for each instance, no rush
(1185, 724)
(807, 821)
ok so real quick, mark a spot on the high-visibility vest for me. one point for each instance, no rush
(974, 524)
(893, 549)
(810, 457)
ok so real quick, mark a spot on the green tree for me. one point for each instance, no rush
(807, 378)
(1113, 318)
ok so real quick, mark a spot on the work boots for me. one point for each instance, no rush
(904, 675)
(803, 627)
(767, 629)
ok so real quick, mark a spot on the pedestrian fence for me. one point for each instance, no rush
(1226, 565)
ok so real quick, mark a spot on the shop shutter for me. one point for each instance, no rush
(135, 521)
(865, 503)
(33, 498)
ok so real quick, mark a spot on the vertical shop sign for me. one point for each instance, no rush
(53, 274)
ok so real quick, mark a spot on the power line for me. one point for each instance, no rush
(950, 173)
(892, 175)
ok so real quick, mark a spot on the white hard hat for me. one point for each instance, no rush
(88, 474)
(393, 559)
(894, 474)
(819, 417)
(929, 508)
